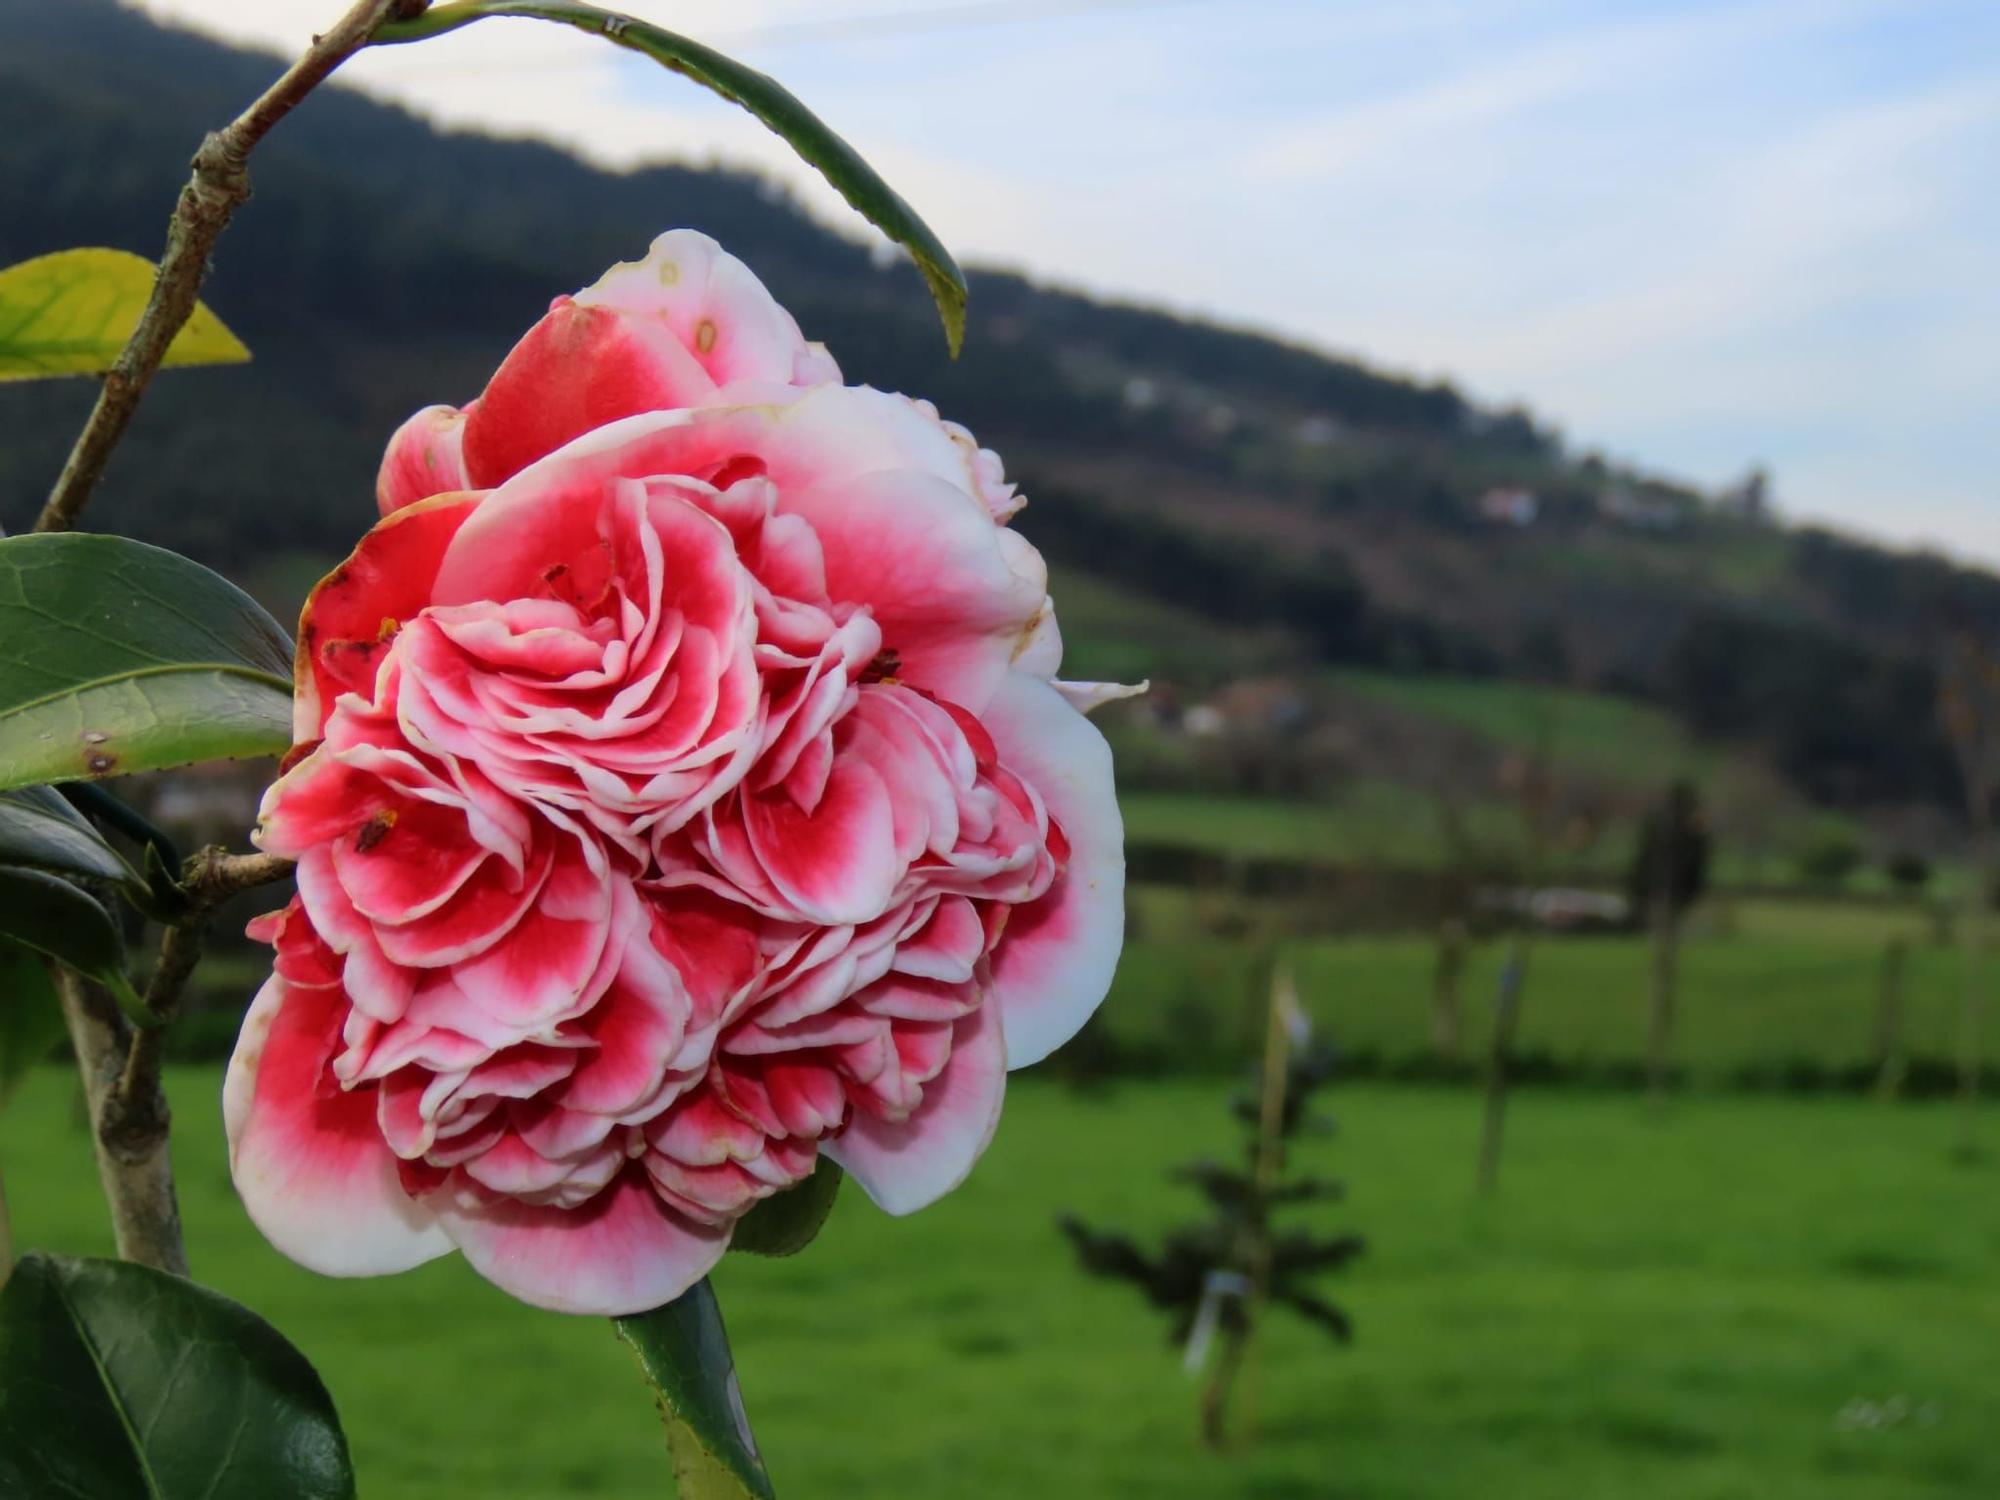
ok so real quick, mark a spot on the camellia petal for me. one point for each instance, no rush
(622, 1252)
(355, 611)
(909, 1164)
(1055, 960)
(309, 1160)
(426, 457)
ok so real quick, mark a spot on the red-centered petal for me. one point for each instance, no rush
(807, 1096)
(955, 595)
(836, 864)
(548, 515)
(426, 457)
(712, 942)
(700, 1131)
(579, 368)
(317, 801)
(622, 1252)
(541, 972)
(716, 308)
(479, 916)
(1055, 958)
(907, 1165)
(836, 1029)
(309, 1160)
(637, 1026)
(903, 997)
(509, 1165)
(947, 947)
(406, 862)
(354, 611)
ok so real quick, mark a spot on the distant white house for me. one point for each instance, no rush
(1509, 505)
(1204, 721)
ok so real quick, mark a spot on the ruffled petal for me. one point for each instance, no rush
(906, 1165)
(622, 1252)
(717, 309)
(356, 610)
(426, 457)
(579, 368)
(1056, 955)
(309, 1160)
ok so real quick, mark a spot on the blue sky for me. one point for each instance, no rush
(1695, 235)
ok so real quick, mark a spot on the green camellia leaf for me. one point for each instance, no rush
(31, 1022)
(785, 1223)
(117, 657)
(763, 97)
(39, 829)
(684, 1352)
(48, 914)
(70, 314)
(119, 1382)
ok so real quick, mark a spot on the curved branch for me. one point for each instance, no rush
(218, 187)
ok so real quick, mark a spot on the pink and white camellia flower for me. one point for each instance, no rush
(682, 792)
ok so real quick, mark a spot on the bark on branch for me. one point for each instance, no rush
(217, 188)
(132, 1160)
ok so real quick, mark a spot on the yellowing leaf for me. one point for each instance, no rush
(70, 313)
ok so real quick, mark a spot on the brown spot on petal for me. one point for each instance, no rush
(375, 830)
(704, 335)
(387, 630)
(883, 666)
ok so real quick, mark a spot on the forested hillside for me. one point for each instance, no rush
(1344, 516)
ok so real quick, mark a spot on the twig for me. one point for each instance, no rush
(218, 187)
(212, 877)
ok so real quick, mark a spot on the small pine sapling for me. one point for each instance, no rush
(1214, 1279)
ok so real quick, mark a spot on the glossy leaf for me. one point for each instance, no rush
(31, 1022)
(48, 914)
(157, 891)
(119, 1382)
(762, 96)
(70, 314)
(117, 657)
(785, 1223)
(39, 828)
(684, 1352)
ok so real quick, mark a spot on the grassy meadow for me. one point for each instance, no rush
(1767, 985)
(1749, 1299)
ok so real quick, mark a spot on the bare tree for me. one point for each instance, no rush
(1532, 784)
(1669, 873)
(1969, 705)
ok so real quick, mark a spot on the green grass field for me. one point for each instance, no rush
(1765, 983)
(1687, 1309)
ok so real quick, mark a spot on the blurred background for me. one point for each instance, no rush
(1542, 455)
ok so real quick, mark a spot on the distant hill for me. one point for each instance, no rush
(1336, 514)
